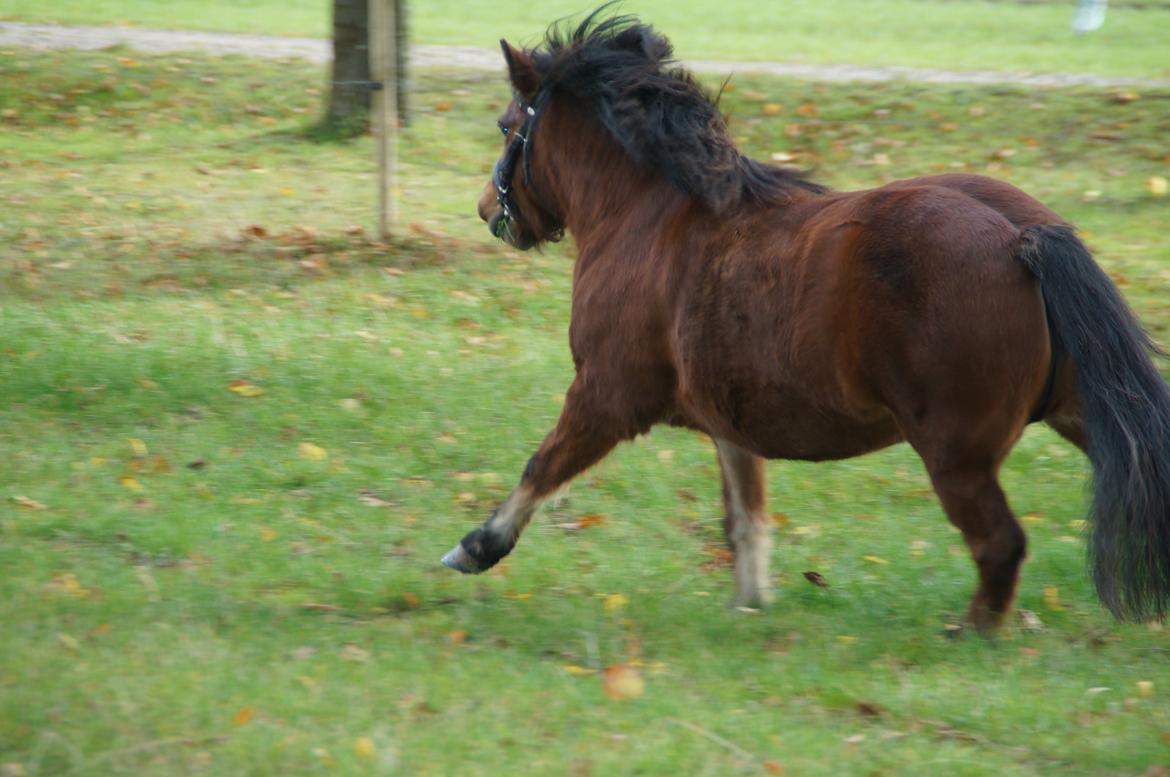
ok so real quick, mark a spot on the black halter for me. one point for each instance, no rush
(506, 165)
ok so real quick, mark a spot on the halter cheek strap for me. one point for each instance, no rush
(505, 167)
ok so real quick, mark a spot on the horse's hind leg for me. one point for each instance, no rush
(968, 488)
(585, 432)
(746, 523)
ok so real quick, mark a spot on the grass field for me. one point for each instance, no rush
(236, 434)
(924, 33)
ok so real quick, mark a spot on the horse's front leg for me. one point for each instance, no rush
(585, 432)
(746, 523)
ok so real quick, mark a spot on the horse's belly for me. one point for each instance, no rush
(778, 424)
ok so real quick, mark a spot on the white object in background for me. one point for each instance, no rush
(1090, 16)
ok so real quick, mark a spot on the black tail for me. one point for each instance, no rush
(1126, 409)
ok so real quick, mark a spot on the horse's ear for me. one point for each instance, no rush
(521, 71)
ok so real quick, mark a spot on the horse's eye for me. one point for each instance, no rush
(504, 130)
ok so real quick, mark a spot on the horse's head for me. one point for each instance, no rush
(510, 203)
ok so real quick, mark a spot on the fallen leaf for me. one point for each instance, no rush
(355, 653)
(780, 519)
(807, 109)
(773, 767)
(243, 716)
(368, 497)
(615, 602)
(267, 534)
(411, 599)
(1052, 598)
(364, 748)
(1157, 185)
(772, 109)
(308, 450)
(520, 595)
(28, 504)
(1029, 621)
(869, 709)
(137, 447)
(584, 522)
(1145, 688)
(245, 389)
(573, 669)
(458, 636)
(856, 739)
(130, 483)
(875, 559)
(622, 681)
(69, 642)
(816, 579)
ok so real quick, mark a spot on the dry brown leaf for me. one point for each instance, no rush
(368, 497)
(816, 579)
(29, 504)
(243, 716)
(584, 522)
(1029, 621)
(622, 681)
(355, 653)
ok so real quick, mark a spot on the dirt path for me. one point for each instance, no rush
(318, 50)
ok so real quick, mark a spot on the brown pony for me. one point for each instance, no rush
(788, 321)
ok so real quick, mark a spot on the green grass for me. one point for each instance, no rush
(923, 33)
(204, 594)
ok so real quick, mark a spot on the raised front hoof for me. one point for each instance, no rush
(478, 551)
(461, 561)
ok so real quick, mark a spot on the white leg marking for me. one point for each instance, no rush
(514, 514)
(748, 527)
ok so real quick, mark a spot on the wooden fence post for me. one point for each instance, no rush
(383, 66)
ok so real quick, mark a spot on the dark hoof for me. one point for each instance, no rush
(461, 561)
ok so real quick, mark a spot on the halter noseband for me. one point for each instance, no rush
(505, 166)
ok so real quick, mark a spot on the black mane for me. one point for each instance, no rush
(656, 110)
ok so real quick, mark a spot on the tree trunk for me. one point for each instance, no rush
(400, 51)
(349, 95)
